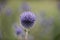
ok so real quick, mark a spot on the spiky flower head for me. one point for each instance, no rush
(18, 31)
(28, 19)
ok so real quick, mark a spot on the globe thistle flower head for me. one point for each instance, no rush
(27, 19)
(18, 30)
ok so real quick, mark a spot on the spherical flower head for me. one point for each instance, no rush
(27, 19)
(18, 31)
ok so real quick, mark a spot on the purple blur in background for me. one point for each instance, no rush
(58, 6)
(25, 6)
(8, 11)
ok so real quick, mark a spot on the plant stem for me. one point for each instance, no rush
(26, 35)
(18, 37)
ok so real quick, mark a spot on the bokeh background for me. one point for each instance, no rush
(38, 32)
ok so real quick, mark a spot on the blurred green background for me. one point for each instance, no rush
(50, 7)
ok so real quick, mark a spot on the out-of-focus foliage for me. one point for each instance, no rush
(50, 7)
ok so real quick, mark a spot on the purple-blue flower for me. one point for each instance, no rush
(18, 31)
(28, 19)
